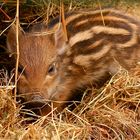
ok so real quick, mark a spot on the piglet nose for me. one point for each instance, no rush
(36, 101)
(37, 98)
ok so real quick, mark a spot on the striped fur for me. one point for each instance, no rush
(99, 42)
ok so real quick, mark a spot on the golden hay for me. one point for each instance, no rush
(111, 112)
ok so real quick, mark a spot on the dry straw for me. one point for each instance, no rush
(109, 113)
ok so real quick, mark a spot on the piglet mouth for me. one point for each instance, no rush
(38, 105)
(35, 104)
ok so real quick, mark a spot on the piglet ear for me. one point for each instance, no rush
(11, 38)
(61, 42)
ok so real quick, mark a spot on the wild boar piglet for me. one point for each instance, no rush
(51, 68)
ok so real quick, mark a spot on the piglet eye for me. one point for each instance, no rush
(52, 69)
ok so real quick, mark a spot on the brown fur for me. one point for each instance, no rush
(93, 51)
